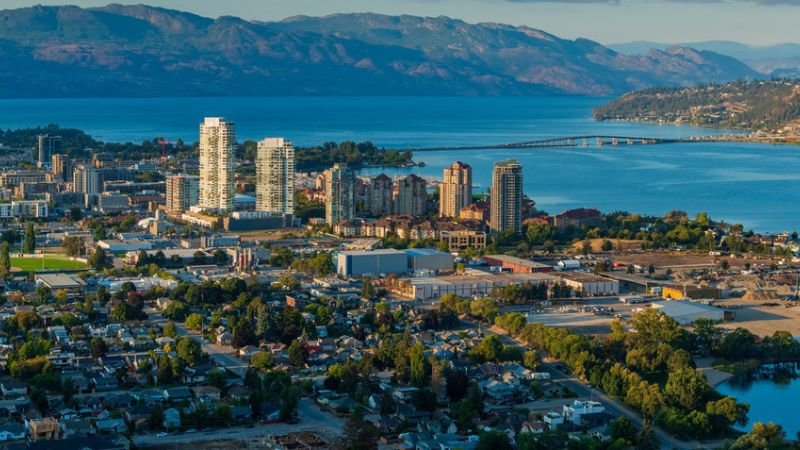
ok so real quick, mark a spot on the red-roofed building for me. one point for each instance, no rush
(588, 217)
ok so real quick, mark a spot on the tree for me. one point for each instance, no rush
(494, 440)
(44, 293)
(607, 245)
(358, 435)
(98, 347)
(763, 436)
(457, 385)
(367, 288)
(99, 260)
(194, 321)
(297, 354)
(5, 261)
(418, 365)
(262, 360)
(29, 244)
(686, 388)
(74, 246)
(170, 330)
(647, 437)
(530, 359)
(243, 334)
(188, 351)
(623, 428)
(489, 349)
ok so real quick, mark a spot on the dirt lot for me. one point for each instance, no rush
(270, 235)
(762, 319)
(619, 244)
(676, 260)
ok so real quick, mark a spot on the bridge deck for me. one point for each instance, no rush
(571, 141)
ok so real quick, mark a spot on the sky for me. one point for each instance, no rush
(756, 22)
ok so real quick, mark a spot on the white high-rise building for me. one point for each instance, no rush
(275, 176)
(217, 141)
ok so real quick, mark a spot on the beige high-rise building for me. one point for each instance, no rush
(380, 196)
(411, 196)
(339, 195)
(275, 176)
(217, 142)
(455, 192)
(506, 209)
(87, 179)
(183, 192)
(61, 167)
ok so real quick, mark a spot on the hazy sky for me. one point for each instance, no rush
(606, 21)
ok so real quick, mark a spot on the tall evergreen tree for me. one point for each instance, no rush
(5, 261)
(29, 244)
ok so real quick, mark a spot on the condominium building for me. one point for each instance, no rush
(339, 196)
(217, 141)
(275, 176)
(183, 192)
(61, 167)
(379, 195)
(411, 196)
(455, 192)
(506, 204)
(87, 179)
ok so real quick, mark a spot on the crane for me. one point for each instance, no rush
(164, 143)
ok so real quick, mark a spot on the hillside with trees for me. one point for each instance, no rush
(746, 105)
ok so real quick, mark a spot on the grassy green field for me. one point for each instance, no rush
(46, 263)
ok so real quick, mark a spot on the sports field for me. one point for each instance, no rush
(46, 263)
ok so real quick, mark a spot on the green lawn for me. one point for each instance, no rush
(46, 263)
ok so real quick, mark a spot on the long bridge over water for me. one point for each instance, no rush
(577, 141)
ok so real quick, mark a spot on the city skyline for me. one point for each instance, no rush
(756, 22)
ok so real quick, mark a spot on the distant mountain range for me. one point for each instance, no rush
(777, 60)
(142, 51)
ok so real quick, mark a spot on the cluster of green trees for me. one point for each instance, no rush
(451, 305)
(355, 154)
(650, 369)
(675, 228)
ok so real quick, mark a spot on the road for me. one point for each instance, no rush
(312, 419)
(221, 355)
(613, 406)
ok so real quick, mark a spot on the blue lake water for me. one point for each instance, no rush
(769, 402)
(757, 185)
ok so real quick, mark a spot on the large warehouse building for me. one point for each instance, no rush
(389, 261)
(589, 284)
(517, 265)
(471, 284)
(375, 262)
(685, 313)
(428, 259)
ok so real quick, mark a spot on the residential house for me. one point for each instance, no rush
(12, 431)
(14, 388)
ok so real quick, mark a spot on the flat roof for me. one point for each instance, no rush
(379, 252)
(424, 252)
(583, 277)
(60, 280)
(517, 261)
(473, 277)
(682, 308)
